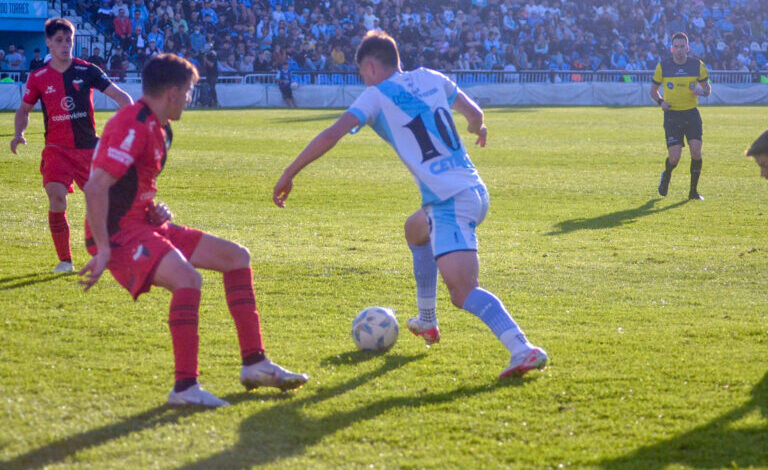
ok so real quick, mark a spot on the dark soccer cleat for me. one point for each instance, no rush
(695, 195)
(664, 183)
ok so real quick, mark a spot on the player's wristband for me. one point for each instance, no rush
(659, 101)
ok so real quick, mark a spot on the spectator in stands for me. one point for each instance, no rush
(3, 63)
(122, 26)
(156, 36)
(246, 65)
(120, 6)
(211, 73)
(137, 21)
(118, 64)
(37, 61)
(14, 60)
(263, 62)
(196, 40)
(284, 82)
(619, 58)
(208, 10)
(105, 17)
(152, 49)
(492, 60)
(96, 59)
(141, 7)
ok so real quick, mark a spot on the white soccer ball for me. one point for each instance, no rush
(375, 329)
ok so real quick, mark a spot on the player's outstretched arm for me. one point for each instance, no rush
(21, 121)
(97, 204)
(119, 95)
(475, 119)
(321, 144)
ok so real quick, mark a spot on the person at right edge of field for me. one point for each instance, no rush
(684, 79)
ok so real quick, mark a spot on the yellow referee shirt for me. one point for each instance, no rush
(679, 80)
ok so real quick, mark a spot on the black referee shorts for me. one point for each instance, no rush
(679, 124)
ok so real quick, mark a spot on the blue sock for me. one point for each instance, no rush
(491, 311)
(425, 272)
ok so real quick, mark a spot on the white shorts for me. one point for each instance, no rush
(452, 222)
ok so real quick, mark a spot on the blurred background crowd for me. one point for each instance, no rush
(259, 36)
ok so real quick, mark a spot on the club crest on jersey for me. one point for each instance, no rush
(139, 252)
(67, 103)
(128, 141)
(670, 85)
(50, 90)
(77, 83)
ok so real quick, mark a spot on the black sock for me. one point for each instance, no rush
(184, 384)
(695, 173)
(253, 358)
(669, 167)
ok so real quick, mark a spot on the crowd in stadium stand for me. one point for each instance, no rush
(258, 36)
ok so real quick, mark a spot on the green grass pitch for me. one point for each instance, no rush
(653, 310)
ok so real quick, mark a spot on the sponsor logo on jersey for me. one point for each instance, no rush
(77, 83)
(118, 155)
(50, 90)
(68, 117)
(128, 141)
(67, 103)
(80, 67)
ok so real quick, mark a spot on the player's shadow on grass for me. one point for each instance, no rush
(351, 358)
(59, 451)
(614, 219)
(287, 430)
(720, 443)
(15, 282)
(309, 118)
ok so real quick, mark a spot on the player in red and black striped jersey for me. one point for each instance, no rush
(127, 233)
(64, 87)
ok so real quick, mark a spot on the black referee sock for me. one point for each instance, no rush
(669, 167)
(695, 173)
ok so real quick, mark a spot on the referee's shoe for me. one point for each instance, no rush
(664, 182)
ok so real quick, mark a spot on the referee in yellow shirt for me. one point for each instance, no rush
(684, 79)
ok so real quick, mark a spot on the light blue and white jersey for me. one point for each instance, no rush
(412, 112)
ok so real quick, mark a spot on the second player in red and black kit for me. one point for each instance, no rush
(131, 236)
(64, 86)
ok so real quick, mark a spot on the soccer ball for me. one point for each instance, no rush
(375, 329)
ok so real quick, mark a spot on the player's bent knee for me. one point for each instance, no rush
(241, 256)
(188, 279)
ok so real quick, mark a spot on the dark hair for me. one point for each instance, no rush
(759, 146)
(379, 45)
(680, 35)
(164, 71)
(54, 25)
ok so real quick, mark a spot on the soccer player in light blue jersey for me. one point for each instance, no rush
(412, 112)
